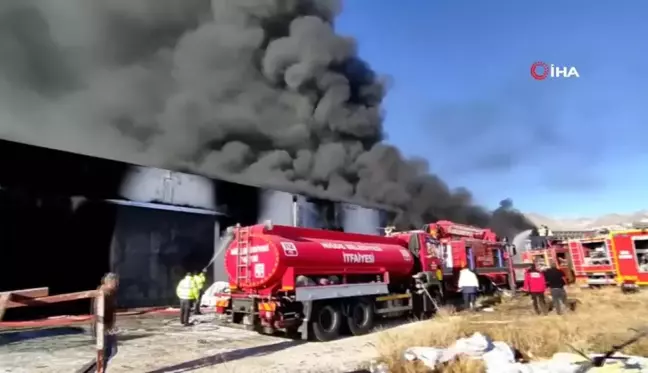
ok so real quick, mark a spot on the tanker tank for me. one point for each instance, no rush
(264, 258)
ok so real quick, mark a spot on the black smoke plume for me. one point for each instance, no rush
(260, 91)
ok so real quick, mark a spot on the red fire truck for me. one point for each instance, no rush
(629, 252)
(544, 250)
(318, 282)
(592, 259)
(478, 248)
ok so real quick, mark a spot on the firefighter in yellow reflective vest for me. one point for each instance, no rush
(187, 291)
(200, 283)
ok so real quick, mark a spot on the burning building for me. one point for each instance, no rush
(265, 92)
(67, 219)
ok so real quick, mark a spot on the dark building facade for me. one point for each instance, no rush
(67, 219)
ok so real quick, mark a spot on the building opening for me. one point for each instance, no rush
(153, 247)
(53, 241)
(238, 203)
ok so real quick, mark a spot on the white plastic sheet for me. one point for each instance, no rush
(500, 358)
(209, 299)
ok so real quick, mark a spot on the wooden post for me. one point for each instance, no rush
(20, 298)
(99, 314)
(4, 299)
(40, 297)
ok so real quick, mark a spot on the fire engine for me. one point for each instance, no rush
(629, 253)
(477, 248)
(544, 250)
(316, 283)
(312, 282)
(592, 259)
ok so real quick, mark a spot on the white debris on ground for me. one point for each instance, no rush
(499, 357)
(209, 298)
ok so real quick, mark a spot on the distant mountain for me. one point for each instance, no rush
(608, 220)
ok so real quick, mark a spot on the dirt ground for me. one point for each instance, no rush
(161, 345)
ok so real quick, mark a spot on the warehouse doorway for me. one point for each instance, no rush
(52, 241)
(238, 203)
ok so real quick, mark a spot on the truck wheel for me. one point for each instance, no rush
(360, 318)
(326, 322)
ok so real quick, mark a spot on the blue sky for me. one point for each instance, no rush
(462, 96)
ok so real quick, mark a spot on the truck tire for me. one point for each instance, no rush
(326, 322)
(360, 317)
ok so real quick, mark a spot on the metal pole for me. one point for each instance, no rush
(294, 211)
(99, 314)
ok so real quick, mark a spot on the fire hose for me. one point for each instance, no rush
(225, 241)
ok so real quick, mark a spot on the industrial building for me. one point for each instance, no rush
(66, 219)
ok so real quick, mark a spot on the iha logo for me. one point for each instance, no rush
(541, 71)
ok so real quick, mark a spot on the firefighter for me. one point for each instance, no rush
(556, 281)
(468, 285)
(187, 291)
(200, 283)
(535, 285)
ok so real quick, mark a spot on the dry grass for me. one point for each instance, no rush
(602, 318)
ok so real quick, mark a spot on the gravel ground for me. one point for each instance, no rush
(161, 345)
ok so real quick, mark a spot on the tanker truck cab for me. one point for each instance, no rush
(321, 283)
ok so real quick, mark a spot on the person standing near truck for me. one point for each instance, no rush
(556, 282)
(187, 292)
(200, 284)
(468, 285)
(534, 284)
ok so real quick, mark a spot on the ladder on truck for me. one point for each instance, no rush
(243, 257)
(577, 257)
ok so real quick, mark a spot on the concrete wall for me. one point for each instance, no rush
(146, 184)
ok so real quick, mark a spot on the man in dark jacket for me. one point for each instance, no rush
(534, 284)
(109, 286)
(556, 283)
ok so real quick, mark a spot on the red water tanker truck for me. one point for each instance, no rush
(320, 283)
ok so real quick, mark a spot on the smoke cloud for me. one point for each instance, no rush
(258, 91)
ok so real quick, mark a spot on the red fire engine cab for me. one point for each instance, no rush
(477, 248)
(318, 282)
